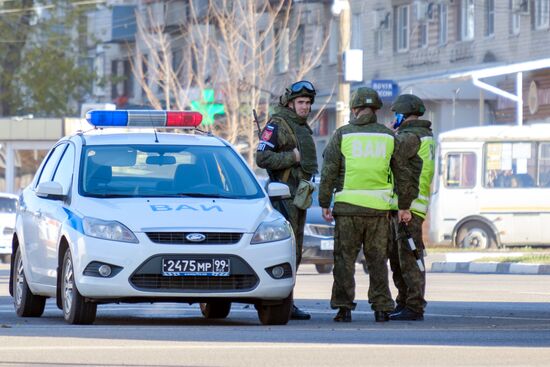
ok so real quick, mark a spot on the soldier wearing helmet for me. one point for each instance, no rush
(358, 164)
(287, 152)
(415, 159)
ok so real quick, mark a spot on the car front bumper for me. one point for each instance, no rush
(137, 259)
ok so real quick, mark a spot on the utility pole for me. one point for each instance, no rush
(341, 9)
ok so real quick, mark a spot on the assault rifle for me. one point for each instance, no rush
(416, 252)
(257, 123)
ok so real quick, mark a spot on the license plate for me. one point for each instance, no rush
(218, 267)
(327, 244)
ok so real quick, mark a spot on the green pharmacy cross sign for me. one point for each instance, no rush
(207, 107)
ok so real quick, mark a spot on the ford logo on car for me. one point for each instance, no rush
(195, 237)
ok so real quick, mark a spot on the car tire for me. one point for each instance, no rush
(324, 268)
(278, 314)
(25, 302)
(76, 310)
(476, 235)
(216, 309)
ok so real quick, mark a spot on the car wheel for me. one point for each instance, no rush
(278, 314)
(365, 268)
(26, 304)
(216, 309)
(75, 308)
(475, 235)
(324, 268)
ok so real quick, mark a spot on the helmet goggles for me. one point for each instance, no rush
(302, 84)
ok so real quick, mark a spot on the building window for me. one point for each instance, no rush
(333, 44)
(299, 45)
(128, 86)
(489, 18)
(281, 51)
(423, 35)
(542, 14)
(515, 16)
(356, 32)
(443, 19)
(379, 41)
(467, 18)
(177, 61)
(402, 28)
(144, 74)
(114, 73)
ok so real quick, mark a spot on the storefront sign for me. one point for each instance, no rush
(387, 89)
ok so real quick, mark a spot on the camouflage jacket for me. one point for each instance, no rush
(278, 140)
(409, 164)
(334, 167)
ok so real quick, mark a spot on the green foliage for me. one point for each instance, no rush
(41, 68)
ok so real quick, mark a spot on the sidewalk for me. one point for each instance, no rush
(463, 262)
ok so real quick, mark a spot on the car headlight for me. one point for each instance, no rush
(276, 230)
(107, 230)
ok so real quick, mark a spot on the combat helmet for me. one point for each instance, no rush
(408, 104)
(303, 88)
(365, 97)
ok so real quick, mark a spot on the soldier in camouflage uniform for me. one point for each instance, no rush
(287, 152)
(415, 161)
(357, 169)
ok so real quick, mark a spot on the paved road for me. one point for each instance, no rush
(472, 320)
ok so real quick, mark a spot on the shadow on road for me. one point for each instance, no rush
(446, 323)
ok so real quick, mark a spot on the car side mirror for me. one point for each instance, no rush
(278, 191)
(50, 190)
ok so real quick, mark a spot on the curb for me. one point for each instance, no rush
(489, 268)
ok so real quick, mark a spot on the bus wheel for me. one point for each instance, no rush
(475, 235)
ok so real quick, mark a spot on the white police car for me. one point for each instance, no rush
(8, 207)
(150, 217)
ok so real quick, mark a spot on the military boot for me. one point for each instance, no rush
(343, 315)
(381, 316)
(398, 308)
(407, 314)
(298, 314)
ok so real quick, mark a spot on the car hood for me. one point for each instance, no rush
(181, 214)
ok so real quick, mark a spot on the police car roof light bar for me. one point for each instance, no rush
(144, 118)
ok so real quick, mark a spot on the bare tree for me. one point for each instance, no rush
(240, 48)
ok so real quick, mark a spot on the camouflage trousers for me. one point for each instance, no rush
(407, 277)
(297, 219)
(353, 233)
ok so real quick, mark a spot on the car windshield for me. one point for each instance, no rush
(112, 171)
(7, 205)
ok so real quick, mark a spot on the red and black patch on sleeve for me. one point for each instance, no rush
(268, 138)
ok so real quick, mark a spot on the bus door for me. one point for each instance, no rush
(512, 195)
(459, 190)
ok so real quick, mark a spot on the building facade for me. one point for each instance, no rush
(408, 46)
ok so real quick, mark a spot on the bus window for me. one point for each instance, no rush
(544, 165)
(510, 165)
(461, 170)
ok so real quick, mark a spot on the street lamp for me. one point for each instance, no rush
(341, 9)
